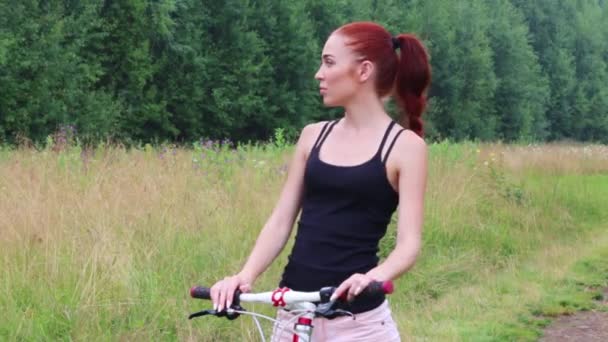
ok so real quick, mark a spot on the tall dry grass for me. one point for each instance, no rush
(103, 244)
(556, 158)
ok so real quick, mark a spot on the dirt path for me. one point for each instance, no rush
(587, 326)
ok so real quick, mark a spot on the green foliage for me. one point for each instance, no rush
(522, 90)
(177, 70)
(572, 50)
(48, 78)
(279, 138)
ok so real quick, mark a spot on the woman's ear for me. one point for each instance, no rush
(366, 68)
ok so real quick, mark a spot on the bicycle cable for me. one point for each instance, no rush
(255, 316)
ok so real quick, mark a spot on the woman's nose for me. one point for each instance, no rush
(319, 75)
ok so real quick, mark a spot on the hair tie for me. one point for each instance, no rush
(396, 43)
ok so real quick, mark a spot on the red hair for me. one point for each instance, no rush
(406, 75)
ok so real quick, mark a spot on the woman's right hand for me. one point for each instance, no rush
(222, 293)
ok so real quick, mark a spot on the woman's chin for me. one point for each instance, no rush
(329, 103)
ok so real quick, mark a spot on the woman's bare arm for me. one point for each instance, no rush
(277, 229)
(412, 152)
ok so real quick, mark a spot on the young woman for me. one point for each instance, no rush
(348, 177)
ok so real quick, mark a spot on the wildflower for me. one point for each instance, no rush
(227, 142)
(208, 144)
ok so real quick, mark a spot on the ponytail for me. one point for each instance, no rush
(406, 77)
(411, 82)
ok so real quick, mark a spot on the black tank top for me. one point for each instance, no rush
(345, 213)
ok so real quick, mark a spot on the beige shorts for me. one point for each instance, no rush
(376, 325)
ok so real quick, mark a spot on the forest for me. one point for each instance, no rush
(140, 71)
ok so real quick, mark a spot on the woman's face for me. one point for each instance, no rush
(337, 75)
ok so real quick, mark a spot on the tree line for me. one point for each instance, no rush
(179, 70)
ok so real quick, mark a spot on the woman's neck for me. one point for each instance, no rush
(364, 113)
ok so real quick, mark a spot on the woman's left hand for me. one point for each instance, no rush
(352, 286)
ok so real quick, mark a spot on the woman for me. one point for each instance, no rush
(348, 176)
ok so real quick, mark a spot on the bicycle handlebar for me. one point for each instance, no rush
(285, 296)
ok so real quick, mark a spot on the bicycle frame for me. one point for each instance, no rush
(302, 330)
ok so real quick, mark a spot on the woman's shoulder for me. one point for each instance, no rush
(312, 130)
(309, 134)
(408, 143)
(407, 138)
(317, 125)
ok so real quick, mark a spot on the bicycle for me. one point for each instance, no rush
(305, 306)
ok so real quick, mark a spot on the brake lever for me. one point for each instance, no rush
(329, 310)
(230, 315)
(202, 313)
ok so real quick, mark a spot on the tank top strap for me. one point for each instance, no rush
(321, 134)
(325, 133)
(390, 147)
(388, 130)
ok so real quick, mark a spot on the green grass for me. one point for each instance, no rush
(103, 244)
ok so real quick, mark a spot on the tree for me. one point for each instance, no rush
(464, 84)
(522, 90)
(50, 80)
(136, 34)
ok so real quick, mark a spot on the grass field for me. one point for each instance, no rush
(104, 244)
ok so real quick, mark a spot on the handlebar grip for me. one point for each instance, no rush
(200, 292)
(377, 288)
